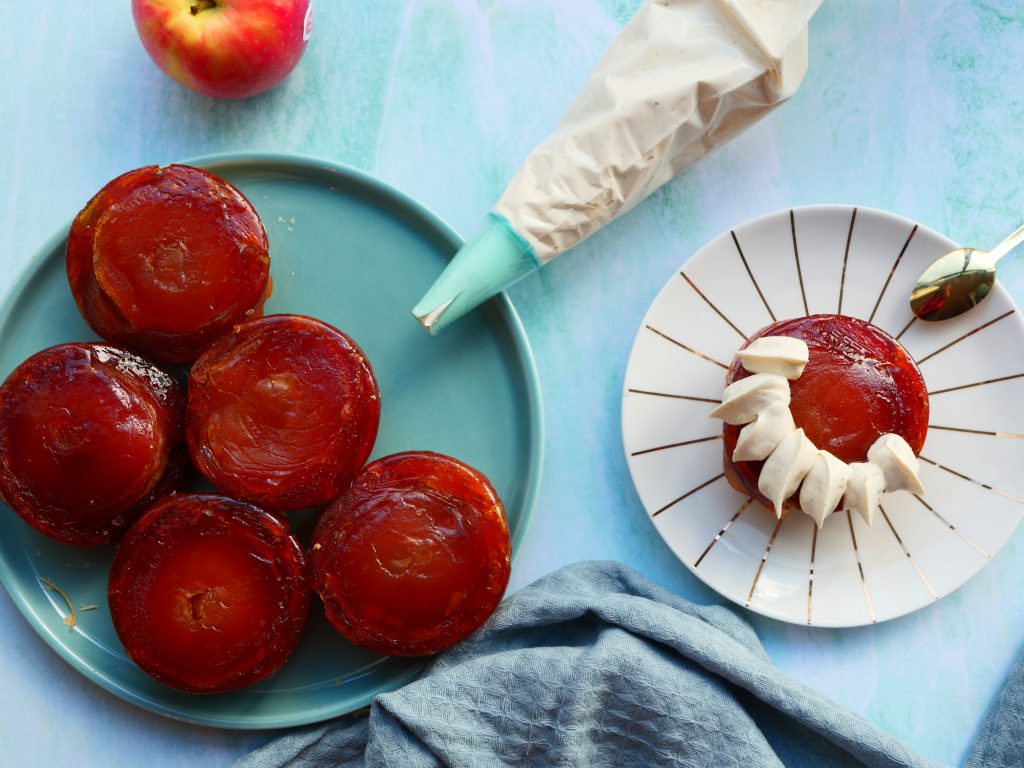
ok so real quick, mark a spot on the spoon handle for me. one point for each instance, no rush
(1011, 242)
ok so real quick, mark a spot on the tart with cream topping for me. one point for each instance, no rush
(823, 413)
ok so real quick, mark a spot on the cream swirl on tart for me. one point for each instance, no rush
(792, 462)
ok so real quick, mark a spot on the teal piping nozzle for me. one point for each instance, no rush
(486, 265)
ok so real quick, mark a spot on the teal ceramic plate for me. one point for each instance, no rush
(352, 251)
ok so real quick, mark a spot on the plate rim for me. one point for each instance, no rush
(760, 609)
(432, 224)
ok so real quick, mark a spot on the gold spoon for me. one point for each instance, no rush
(959, 280)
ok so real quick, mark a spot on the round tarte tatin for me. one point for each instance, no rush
(283, 412)
(89, 436)
(208, 594)
(859, 384)
(414, 557)
(165, 260)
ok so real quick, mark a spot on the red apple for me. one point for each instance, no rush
(228, 49)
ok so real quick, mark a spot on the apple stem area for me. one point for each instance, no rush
(202, 5)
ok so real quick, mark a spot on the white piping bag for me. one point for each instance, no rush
(682, 78)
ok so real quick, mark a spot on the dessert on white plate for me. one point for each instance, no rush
(782, 455)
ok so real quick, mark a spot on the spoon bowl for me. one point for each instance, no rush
(952, 285)
(959, 281)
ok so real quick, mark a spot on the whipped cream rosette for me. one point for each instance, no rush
(793, 465)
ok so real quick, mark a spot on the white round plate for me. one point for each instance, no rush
(826, 259)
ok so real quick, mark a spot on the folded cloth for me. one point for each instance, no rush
(1000, 743)
(594, 665)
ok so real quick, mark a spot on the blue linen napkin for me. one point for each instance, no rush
(1000, 742)
(594, 665)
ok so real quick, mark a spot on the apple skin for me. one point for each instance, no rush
(228, 49)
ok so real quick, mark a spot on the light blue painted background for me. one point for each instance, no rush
(912, 106)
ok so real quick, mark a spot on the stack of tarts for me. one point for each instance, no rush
(99, 444)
